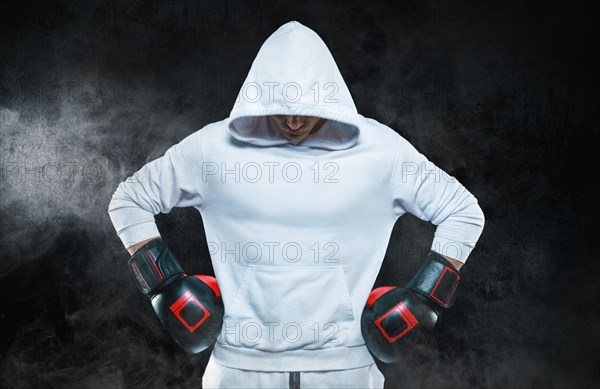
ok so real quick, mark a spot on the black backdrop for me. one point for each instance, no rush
(501, 95)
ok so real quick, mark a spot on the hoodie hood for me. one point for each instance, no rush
(295, 74)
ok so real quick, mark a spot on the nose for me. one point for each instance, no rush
(294, 122)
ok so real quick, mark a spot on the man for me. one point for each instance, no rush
(299, 194)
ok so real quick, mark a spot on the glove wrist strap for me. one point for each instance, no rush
(437, 281)
(154, 265)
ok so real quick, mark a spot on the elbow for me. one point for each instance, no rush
(112, 203)
(474, 217)
(479, 217)
(118, 199)
(473, 214)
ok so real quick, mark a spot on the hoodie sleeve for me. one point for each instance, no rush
(424, 190)
(173, 180)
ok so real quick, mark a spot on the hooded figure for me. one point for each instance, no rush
(297, 225)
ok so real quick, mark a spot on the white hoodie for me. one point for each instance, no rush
(297, 232)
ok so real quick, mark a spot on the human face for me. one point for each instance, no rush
(296, 128)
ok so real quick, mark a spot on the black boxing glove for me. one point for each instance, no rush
(189, 307)
(394, 317)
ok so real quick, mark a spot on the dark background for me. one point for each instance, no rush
(502, 95)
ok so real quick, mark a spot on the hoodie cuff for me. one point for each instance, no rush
(452, 248)
(138, 233)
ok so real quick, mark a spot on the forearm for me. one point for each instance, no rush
(457, 264)
(458, 232)
(135, 247)
(157, 187)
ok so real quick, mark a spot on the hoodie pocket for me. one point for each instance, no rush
(281, 308)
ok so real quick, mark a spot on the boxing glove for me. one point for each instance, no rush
(396, 318)
(189, 308)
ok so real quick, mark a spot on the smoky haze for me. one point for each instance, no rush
(498, 95)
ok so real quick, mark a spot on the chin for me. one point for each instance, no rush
(296, 140)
